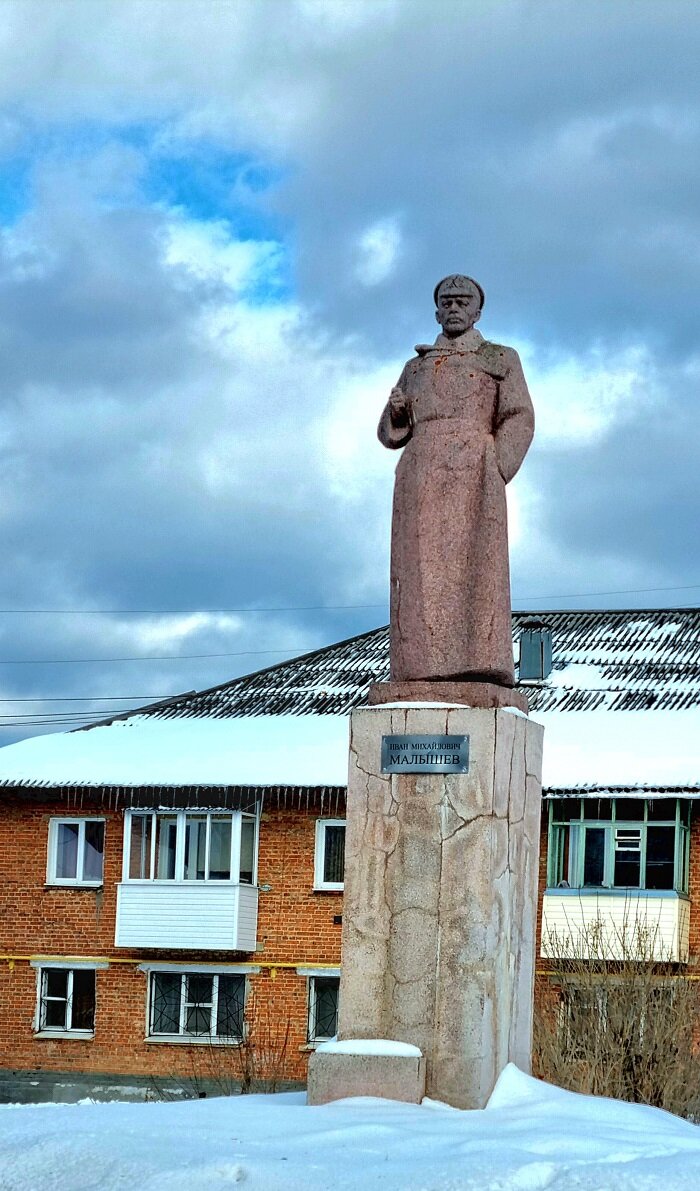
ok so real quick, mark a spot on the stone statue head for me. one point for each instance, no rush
(458, 300)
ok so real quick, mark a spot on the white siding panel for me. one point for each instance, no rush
(188, 914)
(247, 917)
(615, 926)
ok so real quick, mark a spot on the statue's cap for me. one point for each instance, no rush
(458, 283)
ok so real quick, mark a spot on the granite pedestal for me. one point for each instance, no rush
(440, 899)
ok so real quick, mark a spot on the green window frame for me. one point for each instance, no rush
(619, 843)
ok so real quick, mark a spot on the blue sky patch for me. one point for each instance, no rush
(202, 179)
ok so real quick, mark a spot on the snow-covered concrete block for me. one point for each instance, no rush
(366, 1067)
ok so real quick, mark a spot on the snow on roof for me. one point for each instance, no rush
(585, 748)
(300, 750)
(621, 708)
(620, 748)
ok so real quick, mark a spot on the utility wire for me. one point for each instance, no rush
(165, 657)
(58, 719)
(181, 611)
(575, 595)
(88, 699)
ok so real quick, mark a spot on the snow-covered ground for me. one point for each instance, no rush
(531, 1136)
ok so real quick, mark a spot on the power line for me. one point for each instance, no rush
(63, 716)
(580, 595)
(183, 657)
(165, 657)
(576, 595)
(181, 611)
(88, 699)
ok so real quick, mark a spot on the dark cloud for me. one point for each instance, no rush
(634, 497)
(552, 150)
(166, 444)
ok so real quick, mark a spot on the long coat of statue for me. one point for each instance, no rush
(469, 424)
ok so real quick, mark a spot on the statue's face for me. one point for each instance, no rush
(457, 313)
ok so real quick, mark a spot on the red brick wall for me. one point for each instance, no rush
(694, 888)
(295, 927)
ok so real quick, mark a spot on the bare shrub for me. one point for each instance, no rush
(262, 1055)
(624, 1027)
(256, 1063)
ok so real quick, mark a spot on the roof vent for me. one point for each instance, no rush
(535, 650)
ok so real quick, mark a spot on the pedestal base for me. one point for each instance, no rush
(465, 694)
(393, 1077)
(440, 896)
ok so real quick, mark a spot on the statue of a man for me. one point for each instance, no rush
(462, 410)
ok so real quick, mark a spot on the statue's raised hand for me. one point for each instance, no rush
(399, 407)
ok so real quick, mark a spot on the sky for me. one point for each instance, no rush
(221, 222)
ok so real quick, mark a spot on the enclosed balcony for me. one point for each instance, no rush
(189, 881)
(617, 880)
(637, 925)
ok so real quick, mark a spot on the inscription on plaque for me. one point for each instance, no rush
(421, 754)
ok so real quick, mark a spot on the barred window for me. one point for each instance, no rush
(323, 1007)
(196, 1004)
(329, 868)
(609, 1020)
(67, 999)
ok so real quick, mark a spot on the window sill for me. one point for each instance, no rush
(311, 1046)
(616, 891)
(65, 1035)
(328, 889)
(191, 1040)
(74, 885)
(148, 882)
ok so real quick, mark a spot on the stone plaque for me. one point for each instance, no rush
(425, 754)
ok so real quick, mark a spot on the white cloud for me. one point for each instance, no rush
(378, 250)
(579, 398)
(167, 634)
(210, 252)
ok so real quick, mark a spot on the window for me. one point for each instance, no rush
(614, 1020)
(615, 843)
(329, 868)
(190, 846)
(66, 1000)
(323, 1007)
(196, 1005)
(76, 851)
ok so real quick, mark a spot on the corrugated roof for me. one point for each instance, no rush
(642, 790)
(603, 660)
(287, 725)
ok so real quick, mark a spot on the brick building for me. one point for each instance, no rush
(172, 878)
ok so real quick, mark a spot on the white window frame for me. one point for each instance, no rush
(70, 966)
(183, 971)
(236, 819)
(621, 835)
(313, 1036)
(52, 858)
(320, 855)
